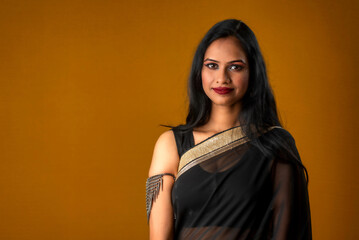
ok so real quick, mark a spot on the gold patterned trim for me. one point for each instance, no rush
(213, 146)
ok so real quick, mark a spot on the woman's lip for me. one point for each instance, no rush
(222, 90)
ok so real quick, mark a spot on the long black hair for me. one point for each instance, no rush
(258, 106)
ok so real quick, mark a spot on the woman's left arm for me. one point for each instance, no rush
(291, 218)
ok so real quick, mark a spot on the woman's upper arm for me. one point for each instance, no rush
(290, 200)
(165, 156)
(165, 160)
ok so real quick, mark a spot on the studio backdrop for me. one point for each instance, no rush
(84, 86)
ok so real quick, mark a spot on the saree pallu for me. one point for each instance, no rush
(227, 189)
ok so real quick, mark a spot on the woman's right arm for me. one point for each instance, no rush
(165, 160)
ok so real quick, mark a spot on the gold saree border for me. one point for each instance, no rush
(213, 146)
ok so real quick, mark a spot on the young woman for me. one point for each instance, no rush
(232, 171)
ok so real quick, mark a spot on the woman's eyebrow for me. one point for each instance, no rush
(208, 59)
(238, 60)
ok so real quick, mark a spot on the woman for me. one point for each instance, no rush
(232, 171)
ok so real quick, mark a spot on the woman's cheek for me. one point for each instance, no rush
(205, 78)
(241, 79)
(244, 84)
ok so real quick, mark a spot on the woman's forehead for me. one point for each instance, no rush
(228, 48)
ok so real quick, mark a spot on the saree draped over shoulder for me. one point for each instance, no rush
(227, 189)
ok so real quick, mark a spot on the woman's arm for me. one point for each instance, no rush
(290, 200)
(165, 160)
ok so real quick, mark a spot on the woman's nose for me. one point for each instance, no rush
(222, 76)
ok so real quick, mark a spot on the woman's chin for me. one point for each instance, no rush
(228, 103)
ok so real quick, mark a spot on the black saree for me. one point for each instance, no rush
(227, 189)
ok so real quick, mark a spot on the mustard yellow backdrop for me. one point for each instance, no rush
(84, 86)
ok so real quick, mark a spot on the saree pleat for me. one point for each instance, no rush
(227, 189)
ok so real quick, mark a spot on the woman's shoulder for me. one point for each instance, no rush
(283, 141)
(165, 157)
(279, 138)
(281, 132)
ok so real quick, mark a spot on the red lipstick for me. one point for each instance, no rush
(223, 90)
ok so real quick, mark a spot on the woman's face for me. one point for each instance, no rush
(225, 72)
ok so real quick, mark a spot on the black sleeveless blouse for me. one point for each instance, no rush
(184, 141)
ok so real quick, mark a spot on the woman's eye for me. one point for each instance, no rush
(212, 65)
(235, 67)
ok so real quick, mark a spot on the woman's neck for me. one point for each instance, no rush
(223, 117)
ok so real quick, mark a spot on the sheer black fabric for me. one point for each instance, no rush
(232, 191)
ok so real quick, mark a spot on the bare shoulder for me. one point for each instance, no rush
(165, 157)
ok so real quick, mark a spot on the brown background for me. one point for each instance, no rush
(85, 84)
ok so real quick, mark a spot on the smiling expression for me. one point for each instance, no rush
(225, 71)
